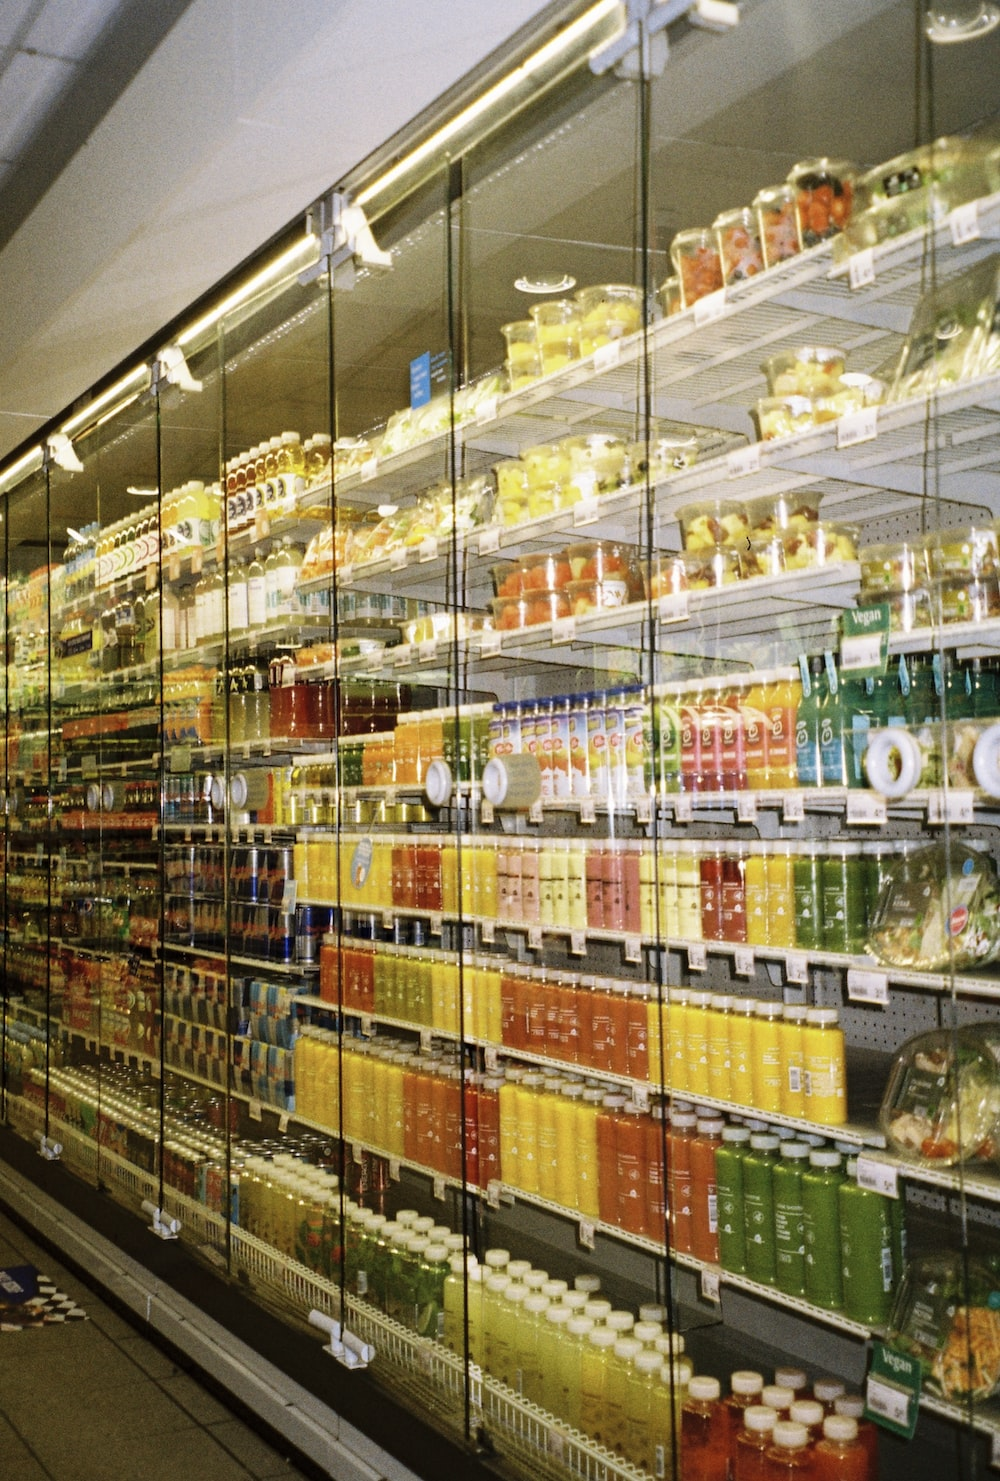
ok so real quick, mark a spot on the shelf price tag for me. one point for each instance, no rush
(397, 558)
(493, 1193)
(283, 1122)
(864, 986)
(587, 1233)
(683, 809)
(673, 608)
(605, 356)
(963, 223)
(427, 650)
(345, 575)
(588, 811)
(440, 1189)
(485, 811)
(401, 654)
(489, 540)
(797, 967)
(394, 1169)
(490, 1059)
(426, 1039)
(697, 959)
(367, 1027)
(743, 461)
(436, 924)
(563, 630)
(578, 943)
(388, 920)
(535, 811)
(486, 411)
(150, 578)
(534, 938)
(488, 931)
(369, 468)
(879, 1177)
(174, 567)
(427, 549)
(746, 807)
(711, 1285)
(949, 807)
(864, 642)
(793, 808)
(585, 512)
(865, 808)
(892, 1392)
(197, 561)
(744, 961)
(710, 308)
(640, 1097)
(255, 1111)
(861, 268)
(857, 426)
(643, 810)
(633, 948)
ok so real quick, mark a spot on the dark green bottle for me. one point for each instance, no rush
(729, 1191)
(821, 1216)
(789, 1219)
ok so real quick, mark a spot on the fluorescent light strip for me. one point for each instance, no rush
(134, 382)
(12, 474)
(269, 274)
(494, 95)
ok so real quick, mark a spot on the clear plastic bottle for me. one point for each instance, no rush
(746, 1387)
(704, 1452)
(840, 1455)
(237, 598)
(789, 1457)
(752, 1443)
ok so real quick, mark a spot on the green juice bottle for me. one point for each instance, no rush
(866, 1257)
(729, 1192)
(789, 1219)
(758, 1205)
(821, 1183)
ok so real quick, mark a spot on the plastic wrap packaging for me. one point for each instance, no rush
(939, 907)
(942, 1098)
(947, 1315)
(951, 333)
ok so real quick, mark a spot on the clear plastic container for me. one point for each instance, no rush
(524, 363)
(666, 576)
(719, 566)
(558, 329)
(541, 571)
(713, 522)
(778, 223)
(608, 311)
(547, 465)
(668, 296)
(695, 255)
(967, 550)
(529, 609)
(775, 512)
(766, 556)
(965, 598)
(899, 565)
(949, 333)
(665, 453)
(946, 1315)
(807, 370)
(820, 544)
(915, 189)
(936, 908)
(597, 465)
(824, 192)
(739, 244)
(783, 416)
(908, 610)
(587, 596)
(600, 560)
(513, 495)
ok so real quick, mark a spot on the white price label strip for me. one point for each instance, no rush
(427, 549)
(888, 1402)
(563, 630)
(743, 461)
(605, 356)
(643, 810)
(746, 807)
(949, 807)
(490, 645)
(369, 468)
(588, 812)
(861, 652)
(963, 223)
(488, 930)
(865, 808)
(427, 650)
(633, 948)
(440, 1189)
(794, 808)
(587, 1234)
(857, 426)
(674, 608)
(640, 1097)
(534, 938)
(743, 961)
(861, 268)
(585, 512)
(879, 1177)
(710, 308)
(867, 987)
(486, 411)
(797, 968)
(536, 812)
(485, 811)
(711, 1285)
(683, 809)
(394, 1169)
(578, 943)
(397, 558)
(697, 959)
(489, 540)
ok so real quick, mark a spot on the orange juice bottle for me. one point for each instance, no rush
(756, 731)
(782, 710)
(823, 1061)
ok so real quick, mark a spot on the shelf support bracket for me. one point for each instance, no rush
(171, 368)
(163, 1226)
(349, 1350)
(641, 47)
(346, 242)
(48, 1148)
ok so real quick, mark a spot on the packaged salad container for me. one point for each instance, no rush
(942, 1098)
(938, 908)
(950, 332)
(695, 255)
(824, 192)
(947, 1315)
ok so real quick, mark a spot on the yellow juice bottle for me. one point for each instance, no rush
(793, 1090)
(529, 1094)
(823, 1064)
(696, 1030)
(576, 887)
(616, 1394)
(558, 864)
(449, 879)
(755, 888)
(551, 1337)
(578, 1329)
(510, 1158)
(768, 1070)
(780, 898)
(548, 1138)
(643, 1380)
(567, 1114)
(669, 898)
(595, 1357)
(720, 1011)
(486, 881)
(587, 1164)
(743, 1016)
(688, 893)
(676, 1045)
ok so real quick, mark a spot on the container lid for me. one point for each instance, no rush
(496, 1259)
(620, 1321)
(789, 1435)
(828, 1389)
(795, 1151)
(671, 1344)
(407, 1216)
(598, 1310)
(558, 1314)
(710, 1126)
(777, 1396)
(840, 1428)
(534, 1279)
(647, 1332)
(601, 1337)
(763, 1141)
(759, 1418)
(792, 1378)
(651, 1362)
(588, 1283)
(705, 1389)
(823, 1158)
(767, 1008)
(555, 1289)
(575, 1300)
(822, 1015)
(498, 1282)
(850, 1406)
(435, 1252)
(579, 1326)
(745, 1381)
(628, 1349)
(650, 1311)
(807, 1411)
(735, 1134)
(535, 1303)
(518, 1269)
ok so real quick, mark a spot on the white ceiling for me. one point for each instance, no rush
(147, 150)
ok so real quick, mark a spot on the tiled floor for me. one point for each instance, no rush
(95, 1401)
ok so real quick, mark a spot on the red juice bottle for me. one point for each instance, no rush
(789, 1456)
(745, 1391)
(703, 1432)
(679, 1138)
(749, 1457)
(840, 1455)
(704, 1194)
(811, 1413)
(630, 1145)
(852, 1406)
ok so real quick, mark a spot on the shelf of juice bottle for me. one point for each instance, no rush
(861, 806)
(279, 834)
(714, 1276)
(258, 963)
(973, 1179)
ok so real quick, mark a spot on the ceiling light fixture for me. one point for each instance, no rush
(545, 283)
(141, 493)
(949, 21)
(267, 277)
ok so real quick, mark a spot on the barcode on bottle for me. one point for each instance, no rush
(887, 1270)
(795, 1079)
(713, 1213)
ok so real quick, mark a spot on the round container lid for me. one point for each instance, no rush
(579, 1326)
(763, 1141)
(598, 1310)
(777, 1396)
(558, 1314)
(745, 1381)
(795, 1151)
(850, 1406)
(806, 1411)
(496, 1259)
(647, 1332)
(821, 1158)
(789, 1435)
(704, 1389)
(601, 1337)
(651, 1312)
(588, 1283)
(628, 1349)
(620, 1321)
(759, 1418)
(518, 1269)
(840, 1428)
(823, 1015)
(652, 1362)
(828, 1389)
(535, 1303)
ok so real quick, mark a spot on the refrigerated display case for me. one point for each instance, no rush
(501, 755)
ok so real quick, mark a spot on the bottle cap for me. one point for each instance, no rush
(651, 1362)
(575, 1300)
(588, 1283)
(671, 1344)
(850, 1406)
(534, 1303)
(806, 1411)
(620, 1321)
(789, 1435)
(840, 1428)
(823, 1015)
(628, 1349)
(735, 1134)
(795, 1151)
(776, 1396)
(554, 1289)
(651, 1312)
(601, 1337)
(824, 1159)
(647, 1332)
(704, 1389)
(557, 1315)
(598, 1310)
(496, 1259)
(744, 1381)
(828, 1389)
(759, 1418)
(762, 1141)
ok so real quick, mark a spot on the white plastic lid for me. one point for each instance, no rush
(651, 1362)
(763, 1141)
(588, 1283)
(579, 1326)
(554, 1289)
(535, 1303)
(828, 1389)
(435, 1252)
(823, 1015)
(598, 1310)
(849, 1406)
(647, 1332)
(518, 1269)
(824, 1159)
(793, 1378)
(498, 1282)
(789, 1435)
(806, 1411)
(575, 1300)
(601, 1337)
(407, 1216)
(496, 1259)
(759, 1418)
(558, 1314)
(840, 1428)
(651, 1312)
(702, 1388)
(776, 1396)
(628, 1349)
(795, 1151)
(620, 1321)
(735, 1134)
(534, 1279)
(745, 1381)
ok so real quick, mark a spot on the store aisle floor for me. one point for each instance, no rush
(94, 1400)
